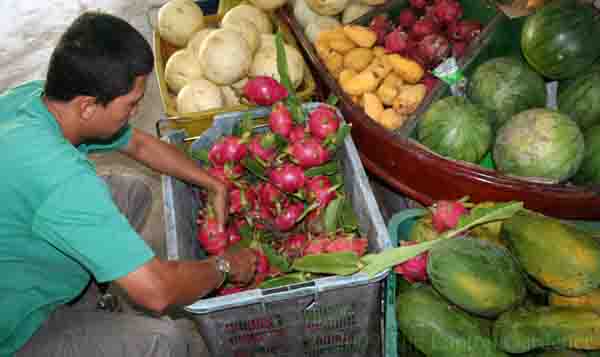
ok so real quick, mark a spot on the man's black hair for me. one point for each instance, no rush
(99, 55)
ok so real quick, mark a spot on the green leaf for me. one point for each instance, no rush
(327, 169)
(376, 263)
(245, 231)
(332, 212)
(254, 167)
(339, 263)
(246, 125)
(200, 155)
(480, 215)
(348, 218)
(332, 100)
(292, 101)
(341, 134)
(287, 279)
(275, 259)
(282, 64)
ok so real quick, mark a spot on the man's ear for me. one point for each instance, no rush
(87, 107)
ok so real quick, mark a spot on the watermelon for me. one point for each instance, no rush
(558, 40)
(506, 86)
(589, 171)
(540, 143)
(580, 100)
(456, 128)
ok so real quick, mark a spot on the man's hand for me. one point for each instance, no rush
(243, 265)
(220, 203)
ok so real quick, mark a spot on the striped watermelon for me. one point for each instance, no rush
(581, 100)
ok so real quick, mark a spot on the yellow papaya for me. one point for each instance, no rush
(559, 256)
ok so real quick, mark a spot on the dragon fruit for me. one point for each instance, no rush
(294, 245)
(241, 200)
(316, 245)
(211, 237)
(280, 120)
(446, 214)
(319, 189)
(414, 269)
(347, 244)
(288, 177)
(309, 152)
(323, 122)
(262, 146)
(288, 216)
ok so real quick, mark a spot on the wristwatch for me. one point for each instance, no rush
(223, 266)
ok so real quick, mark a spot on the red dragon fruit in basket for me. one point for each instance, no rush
(290, 213)
(423, 27)
(381, 26)
(347, 243)
(228, 290)
(464, 30)
(288, 177)
(414, 269)
(458, 49)
(446, 214)
(264, 90)
(396, 41)
(298, 133)
(430, 81)
(447, 11)
(316, 245)
(418, 4)
(406, 19)
(323, 122)
(228, 174)
(263, 268)
(319, 189)
(269, 196)
(233, 235)
(213, 239)
(433, 48)
(294, 245)
(241, 199)
(309, 152)
(227, 149)
(262, 146)
(280, 120)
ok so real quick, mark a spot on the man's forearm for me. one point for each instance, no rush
(160, 284)
(167, 159)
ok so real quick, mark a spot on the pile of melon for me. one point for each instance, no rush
(212, 64)
(504, 114)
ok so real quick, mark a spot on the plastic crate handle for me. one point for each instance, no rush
(391, 324)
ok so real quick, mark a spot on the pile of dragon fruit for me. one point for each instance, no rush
(427, 31)
(286, 192)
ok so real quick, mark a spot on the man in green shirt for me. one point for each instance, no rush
(60, 225)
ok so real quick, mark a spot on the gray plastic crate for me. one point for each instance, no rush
(331, 316)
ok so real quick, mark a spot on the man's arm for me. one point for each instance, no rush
(159, 284)
(167, 159)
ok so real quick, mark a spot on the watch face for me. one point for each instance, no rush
(223, 265)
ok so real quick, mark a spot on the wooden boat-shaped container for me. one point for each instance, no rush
(417, 172)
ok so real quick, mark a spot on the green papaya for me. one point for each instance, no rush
(559, 256)
(439, 329)
(479, 276)
(561, 353)
(525, 329)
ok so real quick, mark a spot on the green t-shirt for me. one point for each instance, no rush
(59, 225)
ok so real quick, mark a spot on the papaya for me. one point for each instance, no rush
(437, 328)
(590, 300)
(525, 329)
(561, 353)
(559, 256)
(479, 276)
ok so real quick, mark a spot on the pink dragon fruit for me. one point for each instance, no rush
(446, 214)
(414, 269)
(316, 245)
(241, 200)
(319, 189)
(323, 122)
(280, 120)
(347, 243)
(294, 245)
(288, 216)
(288, 177)
(262, 146)
(309, 152)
